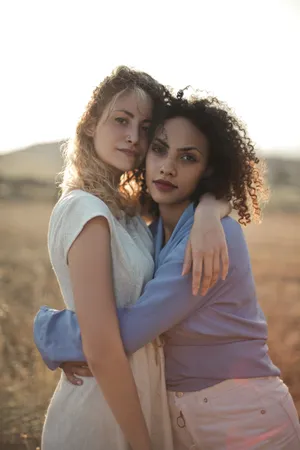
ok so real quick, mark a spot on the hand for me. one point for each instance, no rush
(71, 369)
(205, 249)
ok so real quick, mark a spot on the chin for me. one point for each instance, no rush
(125, 166)
(162, 199)
(122, 167)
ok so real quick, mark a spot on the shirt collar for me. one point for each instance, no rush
(159, 236)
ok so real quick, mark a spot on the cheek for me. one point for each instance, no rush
(104, 138)
(190, 179)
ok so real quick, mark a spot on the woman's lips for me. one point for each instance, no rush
(130, 153)
(164, 186)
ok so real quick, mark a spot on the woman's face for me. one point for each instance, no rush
(121, 134)
(175, 162)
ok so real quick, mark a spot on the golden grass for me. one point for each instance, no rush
(27, 281)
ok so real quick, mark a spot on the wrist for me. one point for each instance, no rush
(208, 205)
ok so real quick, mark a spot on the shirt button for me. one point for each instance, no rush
(263, 411)
(179, 394)
(205, 400)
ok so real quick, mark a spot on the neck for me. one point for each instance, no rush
(170, 215)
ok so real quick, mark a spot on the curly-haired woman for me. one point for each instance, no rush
(101, 251)
(224, 390)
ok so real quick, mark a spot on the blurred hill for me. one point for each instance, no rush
(32, 171)
(39, 162)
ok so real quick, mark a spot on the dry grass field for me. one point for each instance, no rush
(27, 281)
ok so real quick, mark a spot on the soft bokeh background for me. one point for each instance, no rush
(52, 56)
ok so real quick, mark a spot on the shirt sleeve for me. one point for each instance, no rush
(68, 219)
(57, 336)
(166, 301)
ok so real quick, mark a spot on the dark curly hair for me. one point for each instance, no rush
(236, 173)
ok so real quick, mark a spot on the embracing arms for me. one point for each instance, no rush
(51, 325)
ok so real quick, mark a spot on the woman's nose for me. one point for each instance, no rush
(168, 168)
(133, 135)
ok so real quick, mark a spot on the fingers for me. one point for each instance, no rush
(187, 263)
(197, 271)
(207, 274)
(72, 369)
(206, 266)
(225, 262)
(83, 371)
(215, 269)
(72, 378)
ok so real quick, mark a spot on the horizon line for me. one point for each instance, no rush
(290, 152)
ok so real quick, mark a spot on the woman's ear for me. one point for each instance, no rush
(90, 127)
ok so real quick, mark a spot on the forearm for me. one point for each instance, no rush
(114, 376)
(166, 301)
(220, 208)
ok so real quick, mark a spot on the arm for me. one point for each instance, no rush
(90, 269)
(166, 301)
(223, 207)
(207, 244)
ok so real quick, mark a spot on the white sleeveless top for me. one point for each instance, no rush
(79, 417)
(131, 245)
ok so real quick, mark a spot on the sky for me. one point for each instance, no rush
(53, 53)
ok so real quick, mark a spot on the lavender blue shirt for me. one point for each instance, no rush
(208, 339)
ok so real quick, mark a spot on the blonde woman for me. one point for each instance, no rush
(102, 254)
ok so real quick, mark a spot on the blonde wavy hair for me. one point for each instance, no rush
(83, 169)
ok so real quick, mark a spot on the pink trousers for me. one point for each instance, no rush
(244, 414)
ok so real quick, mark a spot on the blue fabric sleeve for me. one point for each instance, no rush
(57, 336)
(166, 301)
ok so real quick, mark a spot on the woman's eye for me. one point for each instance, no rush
(189, 158)
(121, 120)
(157, 149)
(145, 128)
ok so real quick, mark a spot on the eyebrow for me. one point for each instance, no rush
(181, 149)
(189, 147)
(130, 114)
